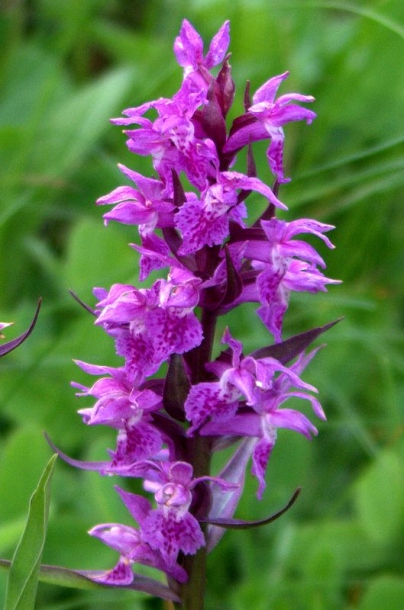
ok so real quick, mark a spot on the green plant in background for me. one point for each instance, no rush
(67, 67)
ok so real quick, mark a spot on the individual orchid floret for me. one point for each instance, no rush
(265, 118)
(151, 324)
(171, 141)
(125, 408)
(265, 416)
(188, 49)
(275, 286)
(278, 244)
(132, 548)
(242, 379)
(145, 206)
(205, 221)
(274, 255)
(170, 528)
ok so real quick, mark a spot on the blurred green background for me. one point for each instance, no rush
(67, 66)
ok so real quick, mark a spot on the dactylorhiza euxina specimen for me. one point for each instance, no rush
(193, 222)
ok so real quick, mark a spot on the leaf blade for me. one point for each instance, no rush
(24, 571)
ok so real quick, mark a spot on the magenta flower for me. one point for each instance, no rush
(274, 255)
(150, 324)
(171, 401)
(244, 379)
(188, 49)
(146, 206)
(130, 545)
(126, 409)
(205, 221)
(266, 118)
(171, 140)
(170, 528)
(275, 286)
(265, 398)
(279, 234)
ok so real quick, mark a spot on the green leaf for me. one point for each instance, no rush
(23, 578)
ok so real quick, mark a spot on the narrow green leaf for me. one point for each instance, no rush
(23, 578)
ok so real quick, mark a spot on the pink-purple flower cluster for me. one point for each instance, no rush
(193, 222)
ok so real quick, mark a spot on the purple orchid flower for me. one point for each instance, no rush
(125, 408)
(245, 378)
(274, 256)
(274, 287)
(172, 404)
(188, 49)
(146, 206)
(205, 221)
(265, 119)
(171, 140)
(265, 394)
(131, 546)
(150, 324)
(170, 528)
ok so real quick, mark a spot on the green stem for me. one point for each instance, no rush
(193, 591)
(199, 455)
(201, 355)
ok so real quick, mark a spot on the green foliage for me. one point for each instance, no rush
(65, 69)
(24, 571)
